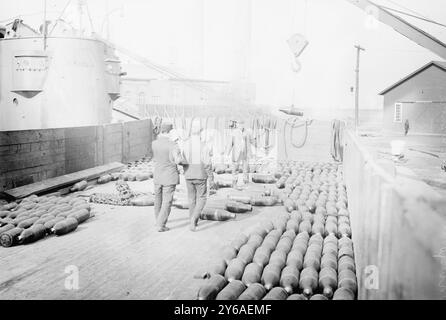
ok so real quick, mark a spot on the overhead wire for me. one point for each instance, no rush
(60, 17)
(293, 124)
(415, 16)
(407, 9)
(27, 15)
(241, 111)
(151, 64)
(89, 17)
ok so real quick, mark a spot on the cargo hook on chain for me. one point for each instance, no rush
(293, 124)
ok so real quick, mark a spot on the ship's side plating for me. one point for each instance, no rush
(72, 82)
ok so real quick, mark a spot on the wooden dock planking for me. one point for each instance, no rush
(120, 255)
(62, 181)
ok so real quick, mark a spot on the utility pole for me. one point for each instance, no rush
(107, 21)
(202, 27)
(358, 54)
(44, 25)
(80, 4)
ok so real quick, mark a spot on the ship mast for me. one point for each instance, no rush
(44, 25)
(79, 8)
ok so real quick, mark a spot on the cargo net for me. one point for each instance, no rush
(34, 218)
(305, 252)
(124, 197)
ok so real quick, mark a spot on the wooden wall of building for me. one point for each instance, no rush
(424, 117)
(398, 229)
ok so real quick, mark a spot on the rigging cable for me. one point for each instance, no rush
(408, 9)
(59, 18)
(416, 17)
(89, 17)
(292, 124)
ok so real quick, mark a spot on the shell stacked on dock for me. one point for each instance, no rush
(139, 170)
(222, 168)
(305, 252)
(35, 217)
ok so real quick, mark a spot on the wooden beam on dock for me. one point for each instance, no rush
(62, 181)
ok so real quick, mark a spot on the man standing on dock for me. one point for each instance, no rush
(240, 147)
(196, 172)
(166, 157)
(406, 127)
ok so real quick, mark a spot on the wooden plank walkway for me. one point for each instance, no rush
(62, 181)
(120, 255)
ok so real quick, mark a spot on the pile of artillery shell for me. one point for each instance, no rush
(304, 253)
(36, 217)
(139, 170)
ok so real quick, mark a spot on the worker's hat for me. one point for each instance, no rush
(196, 126)
(166, 127)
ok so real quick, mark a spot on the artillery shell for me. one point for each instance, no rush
(239, 241)
(65, 226)
(277, 293)
(271, 276)
(6, 227)
(216, 215)
(261, 256)
(235, 269)
(27, 223)
(252, 274)
(318, 297)
(32, 234)
(297, 297)
(80, 216)
(10, 237)
(242, 199)
(229, 253)
(289, 279)
(246, 253)
(343, 294)
(232, 291)
(254, 292)
(211, 287)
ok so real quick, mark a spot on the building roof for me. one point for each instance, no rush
(138, 79)
(202, 81)
(198, 80)
(439, 64)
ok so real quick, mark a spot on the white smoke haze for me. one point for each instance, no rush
(245, 40)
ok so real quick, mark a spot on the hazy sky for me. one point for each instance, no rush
(214, 38)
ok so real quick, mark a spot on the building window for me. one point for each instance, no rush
(141, 99)
(398, 115)
(175, 93)
(155, 99)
